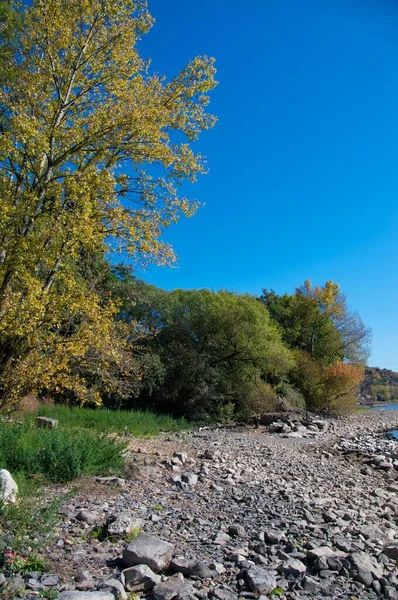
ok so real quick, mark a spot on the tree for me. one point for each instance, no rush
(217, 352)
(330, 388)
(93, 153)
(317, 321)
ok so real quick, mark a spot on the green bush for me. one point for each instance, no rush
(61, 455)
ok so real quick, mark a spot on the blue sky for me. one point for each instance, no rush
(303, 160)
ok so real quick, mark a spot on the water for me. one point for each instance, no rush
(387, 407)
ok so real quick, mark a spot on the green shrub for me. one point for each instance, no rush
(61, 455)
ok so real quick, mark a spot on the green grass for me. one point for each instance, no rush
(139, 423)
(60, 454)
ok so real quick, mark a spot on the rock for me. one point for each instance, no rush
(148, 550)
(273, 536)
(140, 578)
(294, 567)
(8, 487)
(121, 525)
(182, 456)
(174, 586)
(221, 538)
(192, 568)
(85, 581)
(223, 592)
(364, 567)
(111, 481)
(391, 551)
(260, 580)
(50, 580)
(237, 530)
(46, 422)
(86, 596)
(322, 552)
(116, 588)
(87, 516)
(190, 478)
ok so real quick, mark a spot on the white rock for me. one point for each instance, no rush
(8, 487)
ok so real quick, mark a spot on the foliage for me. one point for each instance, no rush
(93, 154)
(328, 388)
(138, 423)
(316, 320)
(62, 455)
(211, 348)
(380, 385)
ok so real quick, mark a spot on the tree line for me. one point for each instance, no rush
(95, 150)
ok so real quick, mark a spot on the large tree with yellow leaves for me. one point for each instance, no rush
(93, 151)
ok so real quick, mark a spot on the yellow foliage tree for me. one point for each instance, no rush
(93, 151)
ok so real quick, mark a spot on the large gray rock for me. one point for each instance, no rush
(364, 567)
(86, 596)
(260, 580)
(149, 550)
(8, 487)
(140, 578)
(174, 586)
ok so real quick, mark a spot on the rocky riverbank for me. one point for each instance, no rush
(289, 509)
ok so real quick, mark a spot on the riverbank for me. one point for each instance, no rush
(315, 517)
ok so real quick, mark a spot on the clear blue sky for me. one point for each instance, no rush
(303, 161)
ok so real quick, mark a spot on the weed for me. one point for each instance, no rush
(158, 508)
(49, 594)
(278, 592)
(100, 532)
(135, 532)
(62, 455)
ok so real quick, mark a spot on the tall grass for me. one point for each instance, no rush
(139, 423)
(60, 454)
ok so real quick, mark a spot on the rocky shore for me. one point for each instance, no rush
(294, 509)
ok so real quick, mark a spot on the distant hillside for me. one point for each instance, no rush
(380, 385)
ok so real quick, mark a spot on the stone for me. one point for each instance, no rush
(140, 578)
(294, 567)
(273, 536)
(111, 481)
(181, 456)
(190, 478)
(148, 550)
(221, 538)
(174, 586)
(50, 580)
(223, 592)
(86, 596)
(46, 422)
(237, 530)
(391, 551)
(260, 580)
(84, 581)
(116, 588)
(364, 567)
(8, 487)
(321, 552)
(192, 568)
(121, 525)
(89, 517)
